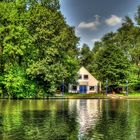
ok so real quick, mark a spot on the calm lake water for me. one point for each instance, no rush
(82, 119)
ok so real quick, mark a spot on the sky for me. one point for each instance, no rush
(94, 18)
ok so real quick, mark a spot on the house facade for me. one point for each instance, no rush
(86, 83)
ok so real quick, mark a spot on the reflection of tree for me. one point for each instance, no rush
(134, 118)
(63, 125)
(62, 119)
(10, 120)
(116, 123)
(54, 123)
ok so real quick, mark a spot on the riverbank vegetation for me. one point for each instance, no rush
(96, 96)
(38, 51)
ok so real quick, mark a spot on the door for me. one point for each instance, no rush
(83, 89)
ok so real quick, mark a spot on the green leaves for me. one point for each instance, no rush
(37, 47)
(111, 63)
(137, 17)
(16, 83)
(85, 55)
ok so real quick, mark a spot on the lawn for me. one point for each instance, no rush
(134, 94)
(98, 95)
(83, 95)
(95, 95)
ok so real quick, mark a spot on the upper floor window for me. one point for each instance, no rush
(85, 76)
(80, 76)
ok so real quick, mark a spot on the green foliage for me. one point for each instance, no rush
(111, 64)
(117, 56)
(55, 48)
(85, 55)
(16, 83)
(137, 17)
(37, 48)
(1, 79)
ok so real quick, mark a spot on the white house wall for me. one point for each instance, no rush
(91, 81)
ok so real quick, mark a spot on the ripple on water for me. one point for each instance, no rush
(70, 120)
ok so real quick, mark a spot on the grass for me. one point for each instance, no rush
(96, 95)
(134, 94)
(83, 95)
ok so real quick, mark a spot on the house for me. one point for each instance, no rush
(86, 83)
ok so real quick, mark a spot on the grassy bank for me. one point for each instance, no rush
(85, 96)
(133, 95)
(96, 96)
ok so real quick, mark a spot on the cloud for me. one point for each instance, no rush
(113, 20)
(90, 25)
(96, 40)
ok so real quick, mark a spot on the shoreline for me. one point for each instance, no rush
(72, 97)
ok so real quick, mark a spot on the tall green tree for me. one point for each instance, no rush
(38, 44)
(137, 16)
(111, 64)
(85, 55)
(55, 48)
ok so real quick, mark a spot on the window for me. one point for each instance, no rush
(74, 88)
(91, 88)
(85, 76)
(80, 76)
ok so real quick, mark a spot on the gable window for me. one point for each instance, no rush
(85, 76)
(91, 88)
(80, 76)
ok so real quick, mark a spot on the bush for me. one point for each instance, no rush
(16, 83)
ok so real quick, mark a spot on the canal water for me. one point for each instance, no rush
(73, 119)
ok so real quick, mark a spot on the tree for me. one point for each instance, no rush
(55, 48)
(112, 64)
(126, 41)
(14, 42)
(38, 44)
(137, 17)
(85, 55)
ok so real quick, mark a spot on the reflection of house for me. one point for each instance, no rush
(85, 84)
(88, 113)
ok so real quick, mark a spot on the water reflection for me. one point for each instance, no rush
(88, 112)
(70, 119)
(117, 120)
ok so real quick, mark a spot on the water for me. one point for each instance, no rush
(82, 119)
